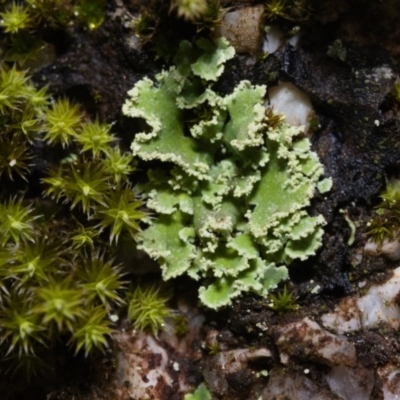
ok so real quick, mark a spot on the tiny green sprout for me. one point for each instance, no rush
(16, 222)
(101, 279)
(201, 393)
(92, 331)
(283, 302)
(180, 325)
(391, 196)
(121, 213)
(62, 122)
(91, 12)
(13, 89)
(6, 257)
(145, 25)
(396, 91)
(385, 224)
(71, 158)
(84, 184)
(275, 8)
(273, 120)
(28, 123)
(147, 308)
(20, 327)
(118, 165)
(59, 302)
(13, 82)
(53, 12)
(95, 137)
(211, 17)
(189, 9)
(83, 236)
(214, 348)
(15, 19)
(23, 47)
(38, 98)
(87, 185)
(14, 156)
(31, 364)
(382, 227)
(55, 182)
(36, 260)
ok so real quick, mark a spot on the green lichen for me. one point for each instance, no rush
(230, 200)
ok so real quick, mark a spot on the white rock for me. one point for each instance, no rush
(389, 249)
(294, 40)
(390, 376)
(287, 99)
(345, 318)
(378, 306)
(308, 340)
(143, 364)
(243, 29)
(293, 386)
(217, 367)
(273, 39)
(351, 383)
(146, 366)
(234, 360)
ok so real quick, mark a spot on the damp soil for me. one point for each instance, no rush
(349, 96)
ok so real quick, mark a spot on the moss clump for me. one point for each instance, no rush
(385, 224)
(59, 280)
(283, 301)
(24, 23)
(147, 308)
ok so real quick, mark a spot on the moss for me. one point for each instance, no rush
(180, 323)
(214, 349)
(147, 308)
(24, 24)
(15, 19)
(283, 301)
(58, 278)
(189, 9)
(396, 91)
(385, 223)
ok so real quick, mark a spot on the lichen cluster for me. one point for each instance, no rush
(230, 195)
